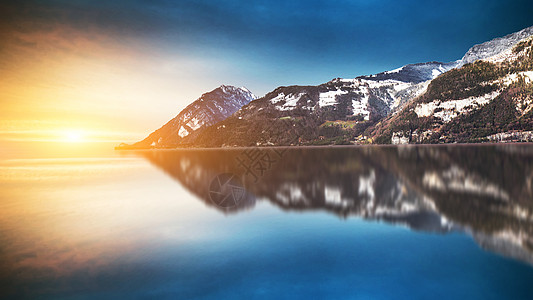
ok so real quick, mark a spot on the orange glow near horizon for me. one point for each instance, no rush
(64, 85)
(74, 136)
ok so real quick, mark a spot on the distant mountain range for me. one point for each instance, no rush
(485, 96)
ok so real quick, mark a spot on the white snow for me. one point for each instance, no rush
(400, 86)
(278, 98)
(225, 89)
(183, 132)
(375, 84)
(509, 79)
(290, 101)
(388, 91)
(451, 109)
(435, 73)
(507, 54)
(347, 80)
(194, 123)
(411, 91)
(360, 106)
(220, 108)
(395, 70)
(329, 98)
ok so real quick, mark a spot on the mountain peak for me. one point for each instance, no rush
(210, 108)
(495, 46)
(230, 89)
(355, 108)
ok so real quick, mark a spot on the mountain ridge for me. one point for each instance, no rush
(495, 46)
(365, 109)
(208, 109)
(494, 94)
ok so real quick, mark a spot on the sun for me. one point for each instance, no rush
(73, 136)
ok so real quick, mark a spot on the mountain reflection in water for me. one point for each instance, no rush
(486, 191)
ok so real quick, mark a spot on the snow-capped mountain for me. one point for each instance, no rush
(414, 103)
(490, 99)
(494, 47)
(364, 100)
(414, 73)
(423, 103)
(210, 108)
(367, 97)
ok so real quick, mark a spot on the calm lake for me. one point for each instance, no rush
(412, 222)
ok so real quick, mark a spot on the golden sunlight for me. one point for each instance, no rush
(73, 136)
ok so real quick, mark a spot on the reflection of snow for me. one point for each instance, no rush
(366, 186)
(332, 195)
(456, 180)
(291, 193)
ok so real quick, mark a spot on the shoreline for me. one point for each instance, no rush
(327, 146)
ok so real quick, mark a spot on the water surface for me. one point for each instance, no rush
(343, 223)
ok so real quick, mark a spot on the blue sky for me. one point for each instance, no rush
(186, 48)
(274, 42)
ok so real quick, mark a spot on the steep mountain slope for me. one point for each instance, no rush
(210, 108)
(485, 96)
(488, 100)
(366, 109)
(495, 46)
(299, 114)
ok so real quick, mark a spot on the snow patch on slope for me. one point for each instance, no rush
(395, 70)
(287, 102)
(183, 132)
(451, 109)
(360, 106)
(329, 98)
(194, 123)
